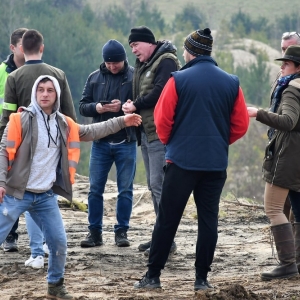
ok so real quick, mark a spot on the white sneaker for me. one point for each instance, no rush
(35, 263)
(46, 249)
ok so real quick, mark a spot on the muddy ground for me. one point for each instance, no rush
(109, 272)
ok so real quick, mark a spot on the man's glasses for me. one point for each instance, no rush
(289, 34)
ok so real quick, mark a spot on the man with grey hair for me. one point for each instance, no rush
(288, 39)
(155, 60)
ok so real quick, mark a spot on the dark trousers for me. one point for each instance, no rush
(14, 229)
(295, 203)
(177, 187)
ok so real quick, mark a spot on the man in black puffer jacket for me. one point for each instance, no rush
(105, 91)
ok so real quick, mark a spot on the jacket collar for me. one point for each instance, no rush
(11, 66)
(199, 59)
(33, 62)
(161, 48)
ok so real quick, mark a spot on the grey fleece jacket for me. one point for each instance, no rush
(26, 167)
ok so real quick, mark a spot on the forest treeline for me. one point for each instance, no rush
(74, 34)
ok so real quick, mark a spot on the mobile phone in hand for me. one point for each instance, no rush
(103, 102)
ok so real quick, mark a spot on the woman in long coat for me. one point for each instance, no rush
(281, 167)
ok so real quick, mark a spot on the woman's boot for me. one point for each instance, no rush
(297, 244)
(285, 245)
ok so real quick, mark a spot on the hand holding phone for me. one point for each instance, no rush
(108, 106)
(103, 102)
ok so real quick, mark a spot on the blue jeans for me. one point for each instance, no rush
(154, 160)
(103, 155)
(177, 187)
(44, 210)
(36, 237)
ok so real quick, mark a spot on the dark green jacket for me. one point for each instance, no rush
(143, 83)
(281, 165)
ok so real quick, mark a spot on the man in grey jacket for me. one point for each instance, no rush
(37, 139)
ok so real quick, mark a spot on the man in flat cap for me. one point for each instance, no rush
(154, 64)
(200, 112)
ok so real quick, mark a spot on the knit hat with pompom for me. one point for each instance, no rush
(199, 42)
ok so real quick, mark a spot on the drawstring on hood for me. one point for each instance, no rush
(48, 140)
(48, 130)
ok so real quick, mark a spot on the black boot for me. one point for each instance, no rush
(144, 246)
(285, 245)
(173, 250)
(94, 238)
(297, 244)
(58, 291)
(121, 238)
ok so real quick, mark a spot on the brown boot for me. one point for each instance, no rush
(285, 245)
(297, 243)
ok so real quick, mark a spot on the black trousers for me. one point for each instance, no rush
(177, 187)
(14, 229)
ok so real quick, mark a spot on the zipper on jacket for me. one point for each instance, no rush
(31, 150)
(276, 165)
(125, 77)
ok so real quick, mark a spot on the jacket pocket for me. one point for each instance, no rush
(269, 155)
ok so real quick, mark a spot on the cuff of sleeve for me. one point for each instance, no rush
(121, 121)
(3, 184)
(137, 103)
(259, 113)
(95, 104)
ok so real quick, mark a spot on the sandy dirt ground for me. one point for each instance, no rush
(109, 272)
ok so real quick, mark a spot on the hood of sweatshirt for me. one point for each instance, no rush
(58, 92)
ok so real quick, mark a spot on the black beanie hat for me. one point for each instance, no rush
(113, 51)
(199, 42)
(141, 34)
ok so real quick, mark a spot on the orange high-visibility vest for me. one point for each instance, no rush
(14, 139)
(73, 146)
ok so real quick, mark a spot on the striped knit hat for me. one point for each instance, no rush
(199, 42)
